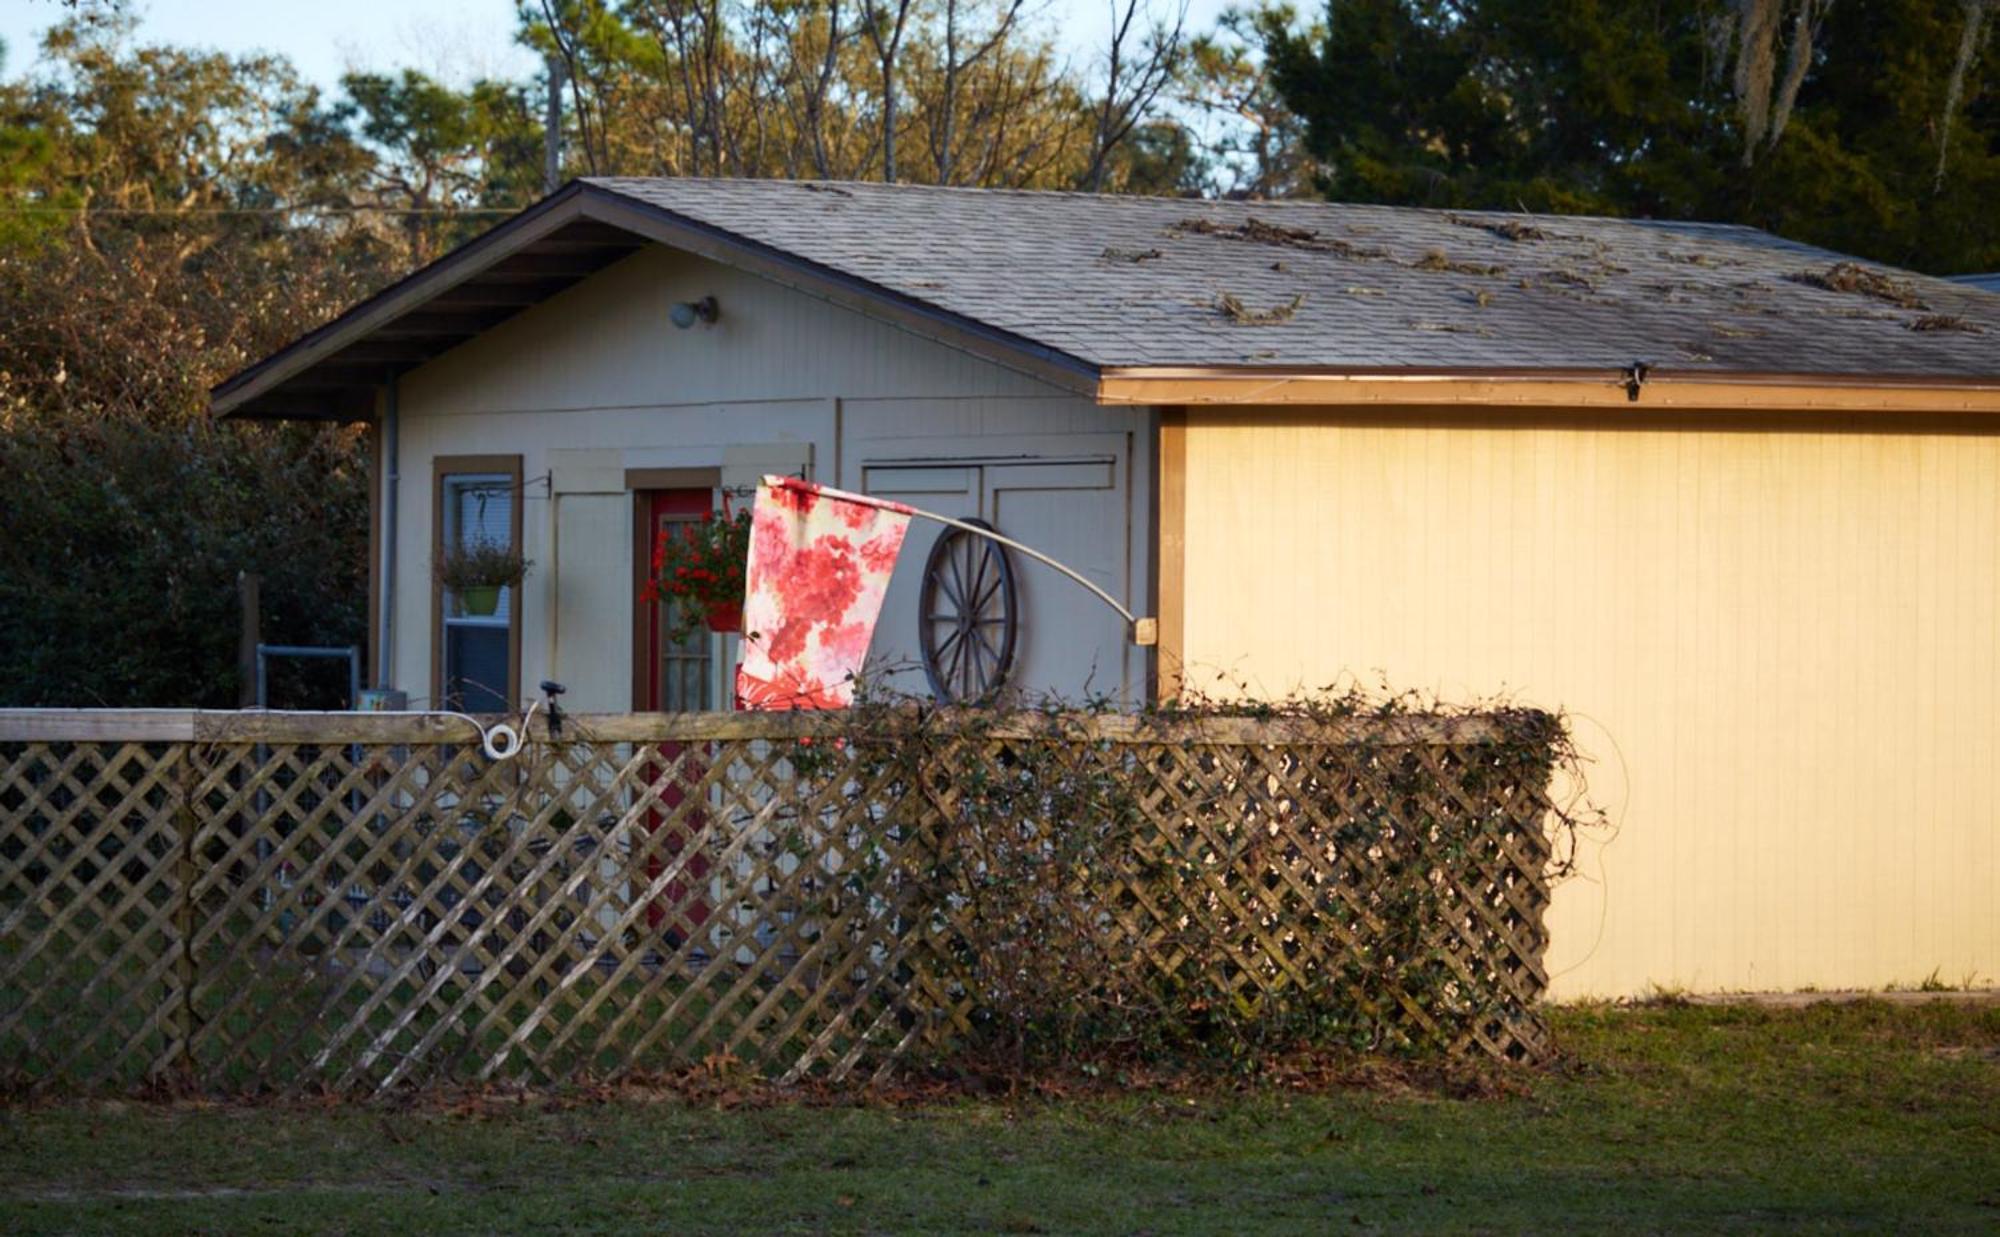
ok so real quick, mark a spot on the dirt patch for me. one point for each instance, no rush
(1974, 997)
(1852, 277)
(1699, 259)
(1114, 254)
(1450, 328)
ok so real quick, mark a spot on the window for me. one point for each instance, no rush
(477, 654)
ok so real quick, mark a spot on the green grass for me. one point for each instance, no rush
(1860, 1116)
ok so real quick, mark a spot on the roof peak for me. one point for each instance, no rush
(849, 187)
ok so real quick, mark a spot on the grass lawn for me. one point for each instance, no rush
(1860, 1116)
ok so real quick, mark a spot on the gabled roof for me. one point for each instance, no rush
(1079, 288)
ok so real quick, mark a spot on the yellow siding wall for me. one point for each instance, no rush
(1780, 643)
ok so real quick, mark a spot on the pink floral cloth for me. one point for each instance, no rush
(820, 561)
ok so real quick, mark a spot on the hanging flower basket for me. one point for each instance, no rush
(474, 575)
(479, 599)
(699, 566)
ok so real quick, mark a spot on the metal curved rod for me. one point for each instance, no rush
(1031, 552)
(1141, 630)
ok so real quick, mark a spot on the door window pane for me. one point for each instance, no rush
(686, 665)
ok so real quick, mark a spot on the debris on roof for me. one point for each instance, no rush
(1944, 322)
(1729, 330)
(1506, 229)
(1260, 232)
(1438, 260)
(1092, 282)
(1236, 311)
(1856, 278)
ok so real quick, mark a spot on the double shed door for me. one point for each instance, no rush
(1073, 510)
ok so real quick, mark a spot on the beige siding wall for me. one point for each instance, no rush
(1780, 643)
(597, 381)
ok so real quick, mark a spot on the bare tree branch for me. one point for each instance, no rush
(1134, 77)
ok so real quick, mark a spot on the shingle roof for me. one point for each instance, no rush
(1131, 282)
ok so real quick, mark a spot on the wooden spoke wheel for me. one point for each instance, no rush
(970, 616)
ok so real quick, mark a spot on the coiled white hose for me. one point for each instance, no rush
(500, 741)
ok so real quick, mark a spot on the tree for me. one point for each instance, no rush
(929, 91)
(444, 154)
(1140, 62)
(1872, 128)
(174, 231)
(1253, 144)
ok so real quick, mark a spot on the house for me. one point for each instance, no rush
(1733, 502)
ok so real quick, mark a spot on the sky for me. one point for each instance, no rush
(455, 40)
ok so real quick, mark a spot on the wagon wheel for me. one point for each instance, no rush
(969, 618)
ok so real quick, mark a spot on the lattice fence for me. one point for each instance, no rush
(361, 901)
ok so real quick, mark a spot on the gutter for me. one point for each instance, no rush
(1637, 385)
(392, 475)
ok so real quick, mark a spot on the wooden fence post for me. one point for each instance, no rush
(250, 633)
(186, 825)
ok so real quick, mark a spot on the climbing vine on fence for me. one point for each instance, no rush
(1363, 873)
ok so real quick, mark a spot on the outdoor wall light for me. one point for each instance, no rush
(686, 313)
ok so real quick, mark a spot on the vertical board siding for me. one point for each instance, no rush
(600, 367)
(1780, 647)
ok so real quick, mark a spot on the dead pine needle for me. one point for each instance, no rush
(1438, 260)
(1236, 311)
(1852, 277)
(1943, 322)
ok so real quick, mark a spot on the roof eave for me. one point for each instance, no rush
(235, 394)
(250, 393)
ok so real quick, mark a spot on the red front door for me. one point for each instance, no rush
(680, 677)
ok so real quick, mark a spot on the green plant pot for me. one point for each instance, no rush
(480, 600)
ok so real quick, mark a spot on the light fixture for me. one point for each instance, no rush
(686, 313)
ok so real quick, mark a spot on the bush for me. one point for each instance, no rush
(122, 543)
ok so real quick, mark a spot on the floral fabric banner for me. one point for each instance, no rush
(820, 561)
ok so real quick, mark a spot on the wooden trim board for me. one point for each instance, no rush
(1796, 393)
(1170, 569)
(443, 466)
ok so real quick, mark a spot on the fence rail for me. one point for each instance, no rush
(361, 901)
